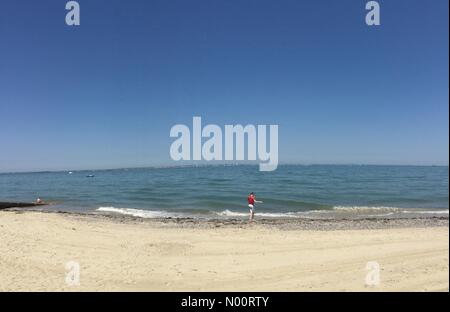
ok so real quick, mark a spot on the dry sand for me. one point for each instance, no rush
(118, 254)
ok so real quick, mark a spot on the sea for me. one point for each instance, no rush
(220, 191)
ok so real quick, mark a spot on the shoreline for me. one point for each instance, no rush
(123, 253)
(319, 224)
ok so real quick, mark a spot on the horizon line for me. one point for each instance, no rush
(217, 165)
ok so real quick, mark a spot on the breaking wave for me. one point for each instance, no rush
(336, 212)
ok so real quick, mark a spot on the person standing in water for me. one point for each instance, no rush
(251, 199)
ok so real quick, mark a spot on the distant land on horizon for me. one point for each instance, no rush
(203, 164)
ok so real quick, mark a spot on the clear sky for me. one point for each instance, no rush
(105, 94)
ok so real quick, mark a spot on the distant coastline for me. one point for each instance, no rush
(216, 164)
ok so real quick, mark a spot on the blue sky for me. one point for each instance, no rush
(105, 94)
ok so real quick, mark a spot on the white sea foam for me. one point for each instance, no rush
(385, 210)
(348, 211)
(366, 209)
(229, 213)
(164, 214)
(428, 212)
(138, 212)
(357, 211)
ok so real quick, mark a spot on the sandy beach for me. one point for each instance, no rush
(130, 254)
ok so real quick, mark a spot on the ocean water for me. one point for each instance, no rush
(292, 191)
